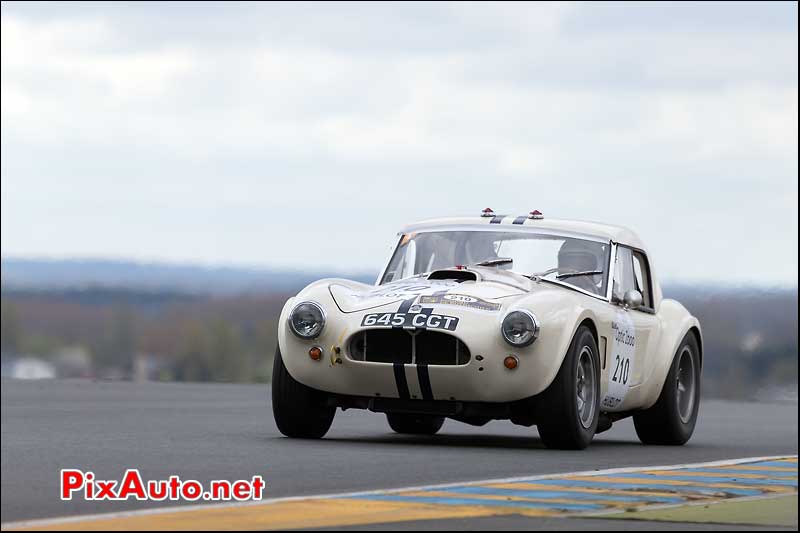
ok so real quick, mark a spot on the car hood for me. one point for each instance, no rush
(483, 288)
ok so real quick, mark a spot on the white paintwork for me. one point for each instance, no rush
(560, 311)
(605, 232)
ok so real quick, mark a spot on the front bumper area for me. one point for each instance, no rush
(482, 378)
(522, 412)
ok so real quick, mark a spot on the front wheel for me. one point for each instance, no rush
(414, 424)
(300, 412)
(571, 404)
(672, 419)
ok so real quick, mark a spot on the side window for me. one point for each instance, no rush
(641, 270)
(624, 278)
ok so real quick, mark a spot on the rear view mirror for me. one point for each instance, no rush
(632, 299)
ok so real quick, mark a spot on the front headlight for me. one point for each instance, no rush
(520, 328)
(307, 320)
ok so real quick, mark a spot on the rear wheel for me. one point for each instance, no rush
(672, 419)
(412, 424)
(300, 412)
(572, 401)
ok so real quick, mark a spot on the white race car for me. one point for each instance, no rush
(555, 323)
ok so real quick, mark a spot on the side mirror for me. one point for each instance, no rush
(632, 299)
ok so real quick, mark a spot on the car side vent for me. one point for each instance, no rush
(458, 275)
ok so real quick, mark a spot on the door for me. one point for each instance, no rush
(632, 329)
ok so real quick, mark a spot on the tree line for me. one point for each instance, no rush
(750, 336)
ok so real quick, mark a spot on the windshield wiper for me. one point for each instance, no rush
(495, 262)
(583, 273)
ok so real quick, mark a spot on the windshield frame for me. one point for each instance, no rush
(515, 229)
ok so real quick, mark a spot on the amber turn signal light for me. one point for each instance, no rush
(315, 353)
(511, 362)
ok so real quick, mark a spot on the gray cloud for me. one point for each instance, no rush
(308, 133)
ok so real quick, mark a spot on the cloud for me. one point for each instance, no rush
(195, 131)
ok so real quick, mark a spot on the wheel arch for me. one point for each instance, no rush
(676, 324)
(560, 325)
(559, 421)
(695, 330)
(589, 323)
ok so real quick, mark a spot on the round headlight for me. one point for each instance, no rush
(520, 328)
(307, 320)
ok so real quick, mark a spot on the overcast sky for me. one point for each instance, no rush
(308, 134)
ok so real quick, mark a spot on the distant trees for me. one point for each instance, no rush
(750, 337)
(213, 351)
(185, 338)
(118, 344)
(9, 327)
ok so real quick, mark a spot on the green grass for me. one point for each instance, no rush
(777, 511)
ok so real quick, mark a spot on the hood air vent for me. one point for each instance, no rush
(458, 275)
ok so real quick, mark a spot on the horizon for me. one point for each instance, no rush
(266, 269)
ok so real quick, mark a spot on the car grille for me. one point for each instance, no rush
(419, 346)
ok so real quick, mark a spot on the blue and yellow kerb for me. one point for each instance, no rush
(582, 494)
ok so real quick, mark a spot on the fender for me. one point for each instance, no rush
(289, 345)
(676, 323)
(559, 325)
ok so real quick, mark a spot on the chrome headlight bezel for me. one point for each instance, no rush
(534, 329)
(321, 321)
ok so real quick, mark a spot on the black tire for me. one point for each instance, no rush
(300, 412)
(562, 427)
(662, 423)
(411, 424)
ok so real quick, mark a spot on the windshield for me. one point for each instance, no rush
(578, 262)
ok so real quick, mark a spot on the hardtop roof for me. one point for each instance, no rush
(603, 231)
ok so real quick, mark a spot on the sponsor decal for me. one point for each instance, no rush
(460, 300)
(424, 319)
(623, 349)
(406, 290)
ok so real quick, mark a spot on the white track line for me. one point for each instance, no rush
(209, 506)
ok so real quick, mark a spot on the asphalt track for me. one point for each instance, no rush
(207, 432)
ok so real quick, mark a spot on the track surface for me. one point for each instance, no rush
(207, 432)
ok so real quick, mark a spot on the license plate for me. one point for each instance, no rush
(411, 320)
